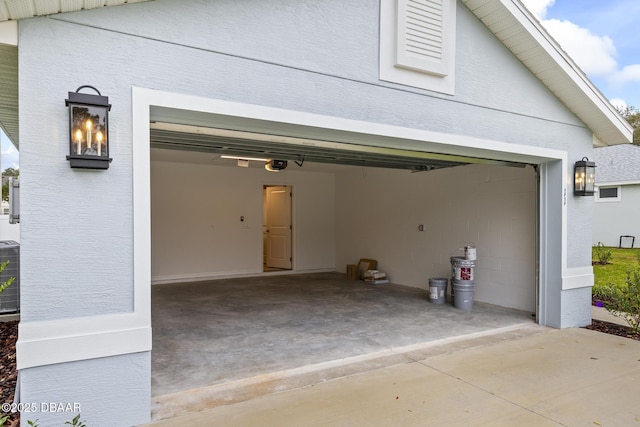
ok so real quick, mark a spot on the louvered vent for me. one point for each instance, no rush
(421, 40)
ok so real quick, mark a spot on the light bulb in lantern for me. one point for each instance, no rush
(99, 139)
(79, 141)
(89, 126)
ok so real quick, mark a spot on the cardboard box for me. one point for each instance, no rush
(352, 272)
(366, 264)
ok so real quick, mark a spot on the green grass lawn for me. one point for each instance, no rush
(615, 273)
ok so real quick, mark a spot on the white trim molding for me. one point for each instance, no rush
(579, 277)
(69, 340)
(205, 277)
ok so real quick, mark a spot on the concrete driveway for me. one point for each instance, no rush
(526, 376)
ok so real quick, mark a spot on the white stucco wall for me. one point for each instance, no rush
(121, 381)
(315, 57)
(612, 219)
(196, 231)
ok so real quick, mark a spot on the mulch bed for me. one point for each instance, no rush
(8, 374)
(610, 328)
(613, 329)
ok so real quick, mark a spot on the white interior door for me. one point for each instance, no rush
(278, 226)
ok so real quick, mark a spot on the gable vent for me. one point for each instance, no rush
(421, 37)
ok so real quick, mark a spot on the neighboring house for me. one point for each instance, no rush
(617, 199)
(489, 110)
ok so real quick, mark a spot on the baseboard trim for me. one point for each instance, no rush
(233, 275)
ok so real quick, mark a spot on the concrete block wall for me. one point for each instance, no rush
(491, 207)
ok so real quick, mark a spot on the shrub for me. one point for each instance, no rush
(625, 303)
(8, 283)
(603, 294)
(602, 253)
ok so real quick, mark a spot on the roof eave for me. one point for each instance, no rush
(523, 34)
(24, 9)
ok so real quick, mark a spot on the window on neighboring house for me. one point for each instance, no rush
(417, 43)
(608, 194)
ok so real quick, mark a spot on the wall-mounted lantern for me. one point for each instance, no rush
(88, 129)
(584, 178)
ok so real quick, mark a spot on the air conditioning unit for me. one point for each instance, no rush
(14, 200)
(10, 298)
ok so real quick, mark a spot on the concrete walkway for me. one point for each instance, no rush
(533, 376)
(601, 313)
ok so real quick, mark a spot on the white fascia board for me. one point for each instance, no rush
(9, 33)
(617, 183)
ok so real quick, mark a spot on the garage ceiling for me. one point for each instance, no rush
(250, 144)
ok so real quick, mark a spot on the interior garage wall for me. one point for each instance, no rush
(491, 207)
(196, 228)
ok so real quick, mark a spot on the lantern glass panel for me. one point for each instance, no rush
(89, 131)
(580, 179)
(590, 173)
(584, 178)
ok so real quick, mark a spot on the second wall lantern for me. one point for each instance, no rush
(584, 180)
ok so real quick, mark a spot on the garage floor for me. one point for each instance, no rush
(209, 333)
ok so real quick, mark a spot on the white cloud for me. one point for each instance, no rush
(630, 73)
(8, 148)
(620, 104)
(596, 55)
(539, 7)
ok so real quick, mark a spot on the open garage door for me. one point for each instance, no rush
(255, 145)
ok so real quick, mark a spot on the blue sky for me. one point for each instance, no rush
(10, 157)
(602, 37)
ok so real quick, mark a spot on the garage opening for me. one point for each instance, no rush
(219, 319)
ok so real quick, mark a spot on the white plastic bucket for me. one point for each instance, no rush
(470, 253)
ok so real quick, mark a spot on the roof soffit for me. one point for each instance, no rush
(9, 91)
(21, 9)
(523, 34)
